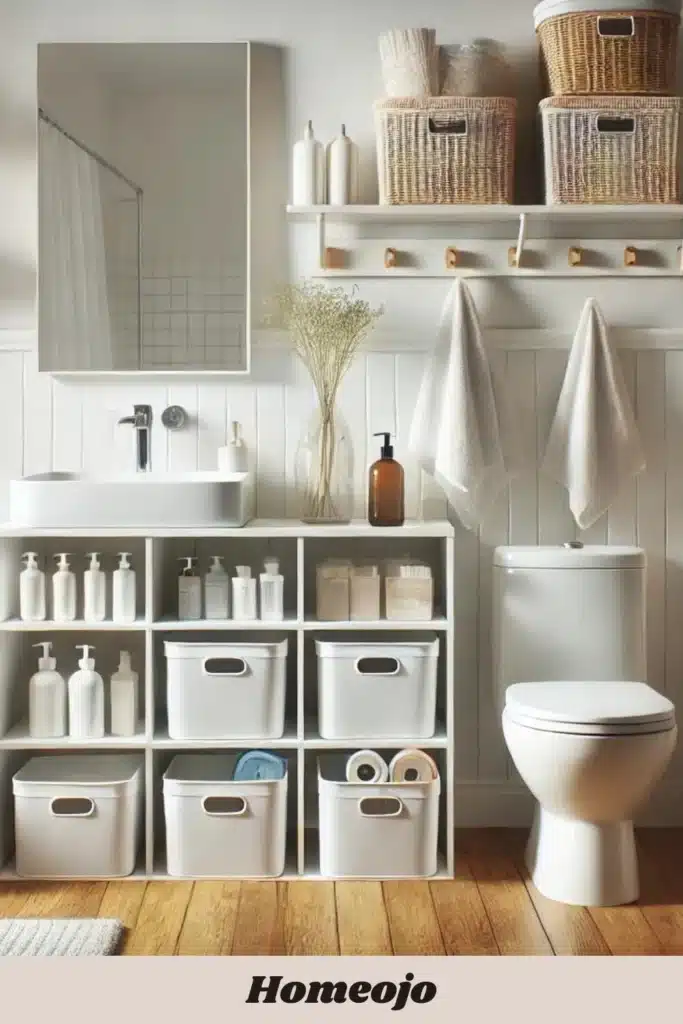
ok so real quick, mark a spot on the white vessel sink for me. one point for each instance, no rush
(75, 500)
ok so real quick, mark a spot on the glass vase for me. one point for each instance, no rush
(324, 471)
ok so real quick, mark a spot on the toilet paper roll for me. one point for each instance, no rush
(366, 766)
(413, 766)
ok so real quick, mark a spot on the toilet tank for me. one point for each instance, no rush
(567, 612)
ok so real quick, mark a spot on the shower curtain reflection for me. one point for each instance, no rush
(88, 284)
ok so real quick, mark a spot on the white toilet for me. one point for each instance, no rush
(589, 738)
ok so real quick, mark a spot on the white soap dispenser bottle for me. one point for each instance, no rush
(243, 594)
(63, 591)
(86, 699)
(342, 170)
(189, 592)
(233, 457)
(94, 591)
(32, 590)
(46, 698)
(272, 585)
(123, 696)
(123, 590)
(308, 170)
(216, 591)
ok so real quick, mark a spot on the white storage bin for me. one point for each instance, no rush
(226, 691)
(218, 828)
(377, 690)
(378, 830)
(78, 816)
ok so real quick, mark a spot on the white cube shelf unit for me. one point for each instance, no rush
(155, 554)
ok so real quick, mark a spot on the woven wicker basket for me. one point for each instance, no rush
(616, 149)
(627, 51)
(445, 150)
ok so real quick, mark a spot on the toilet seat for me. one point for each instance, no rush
(601, 708)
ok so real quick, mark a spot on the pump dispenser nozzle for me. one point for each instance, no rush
(387, 448)
(94, 557)
(124, 556)
(46, 662)
(188, 567)
(63, 557)
(86, 661)
(31, 559)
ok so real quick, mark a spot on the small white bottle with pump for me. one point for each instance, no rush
(86, 699)
(46, 698)
(272, 586)
(243, 594)
(32, 590)
(63, 591)
(124, 698)
(342, 171)
(308, 170)
(123, 590)
(216, 591)
(94, 591)
(189, 592)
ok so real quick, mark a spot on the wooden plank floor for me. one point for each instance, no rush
(491, 908)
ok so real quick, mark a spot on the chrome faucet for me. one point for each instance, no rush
(141, 420)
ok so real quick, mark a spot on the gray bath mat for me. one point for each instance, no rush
(59, 937)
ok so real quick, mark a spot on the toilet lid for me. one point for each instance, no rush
(596, 705)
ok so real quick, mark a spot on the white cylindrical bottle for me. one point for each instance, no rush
(272, 587)
(243, 594)
(123, 697)
(342, 171)
(86, 699)
(46, 698)
(123, 590)
(63, 591)
(216, 591)
(308, 170)
(233, 457)
(94, 591)
(189, 592)
(32, 590)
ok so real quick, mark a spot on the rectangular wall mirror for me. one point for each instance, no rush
(144, 207)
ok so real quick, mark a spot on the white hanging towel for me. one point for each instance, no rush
(594, 446)
(458, 425)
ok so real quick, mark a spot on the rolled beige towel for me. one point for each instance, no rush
(410, 62)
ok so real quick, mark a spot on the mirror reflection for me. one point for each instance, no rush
(143, 207)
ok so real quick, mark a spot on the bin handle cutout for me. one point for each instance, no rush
(378, 666)
(72, 807)
(224, 806)
(623, 27)
(225, 667)
(380, 806)
(452, 127)
(610, 125)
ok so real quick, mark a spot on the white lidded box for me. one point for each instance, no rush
(377, 690)
(225, 691)
(376, 830)
(78, 816)
(218, 828)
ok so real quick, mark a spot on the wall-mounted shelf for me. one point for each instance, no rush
(388, 241)
(299, 547)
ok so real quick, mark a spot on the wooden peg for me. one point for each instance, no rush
(451, 258)
(575, 256)
(390, 258)
(630, 256)
(512, 256)
(334, 259)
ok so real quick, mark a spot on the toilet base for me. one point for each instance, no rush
(582, 863)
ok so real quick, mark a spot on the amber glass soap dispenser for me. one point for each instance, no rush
(385, 488)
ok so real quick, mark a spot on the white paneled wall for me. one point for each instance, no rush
(72, 426)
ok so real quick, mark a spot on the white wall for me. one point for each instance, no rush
(333, 76)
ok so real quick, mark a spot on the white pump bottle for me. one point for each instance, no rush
(32, 590)
(94, 591)
(46, 698)
(86, 699)
(123, 590)
(123, 696)
(63, 591)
